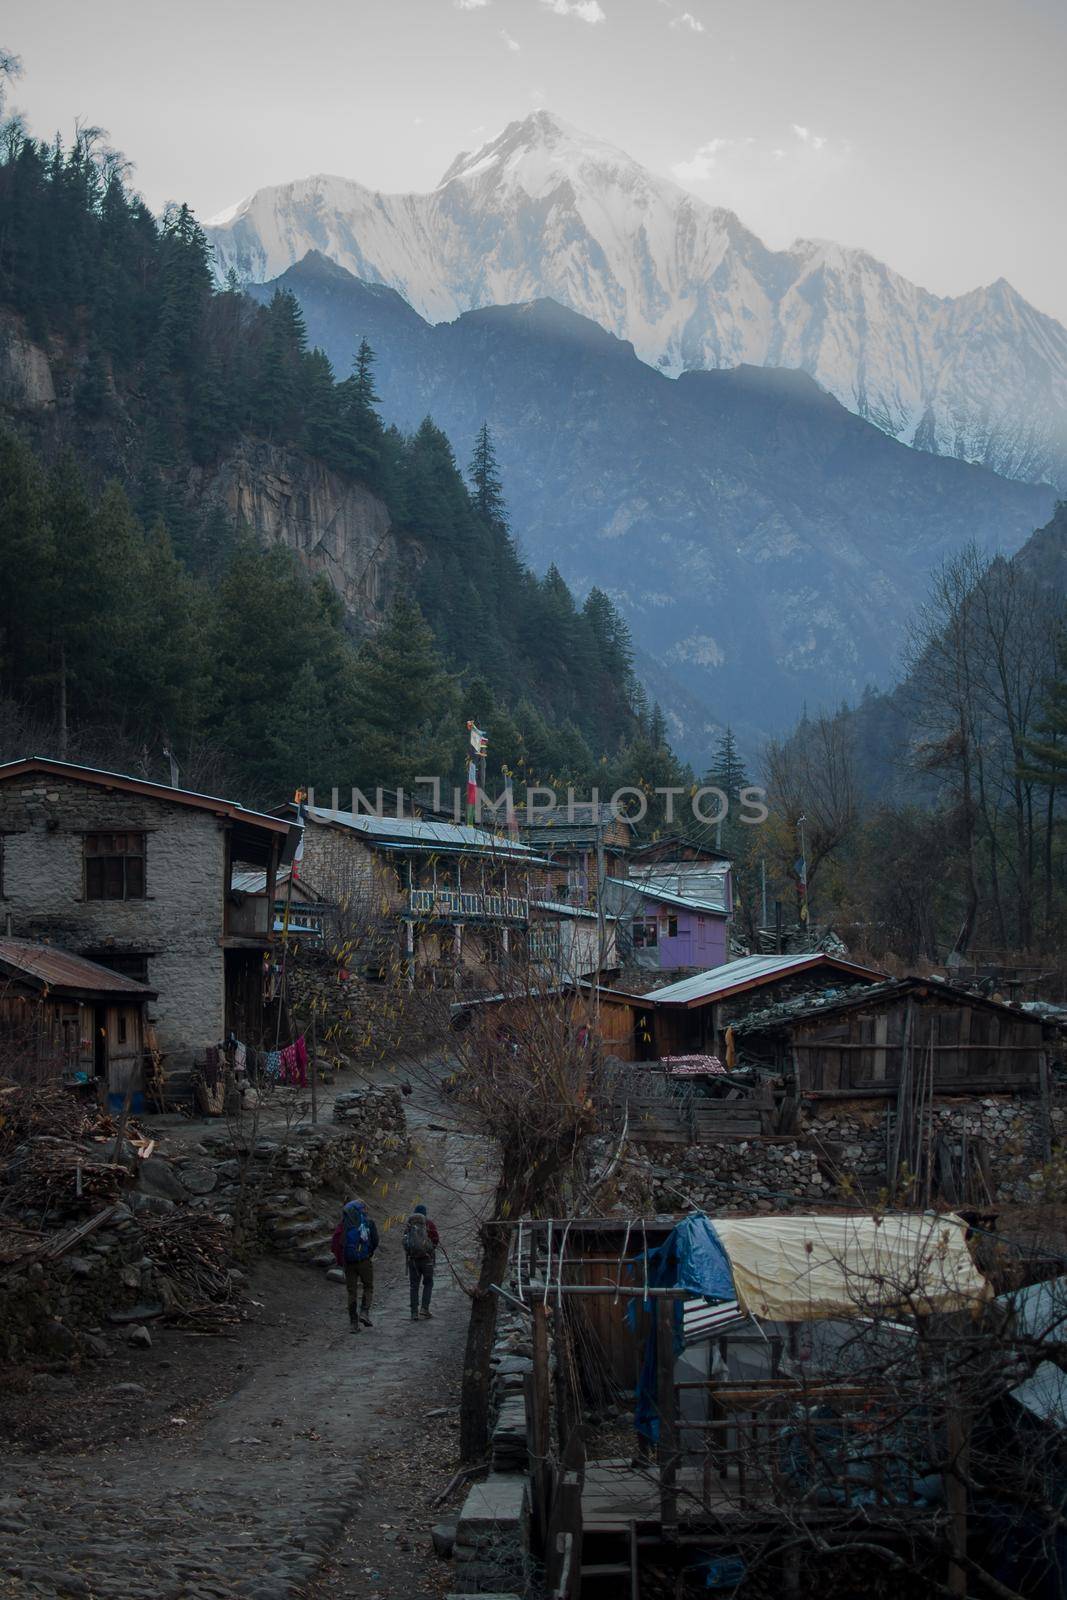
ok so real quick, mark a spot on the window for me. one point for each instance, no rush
(646, 934)
(672, 927)
(122, 1027)
(114, 866)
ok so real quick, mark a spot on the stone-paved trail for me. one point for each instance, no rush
(249, 1497)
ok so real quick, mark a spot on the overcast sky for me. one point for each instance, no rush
(932, 132)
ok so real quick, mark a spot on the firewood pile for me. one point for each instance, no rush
(52, 1175)
(55, 1155)
(191, 1250)
(54, 1112)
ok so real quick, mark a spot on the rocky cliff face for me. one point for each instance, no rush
(25, 371)
(336, 528)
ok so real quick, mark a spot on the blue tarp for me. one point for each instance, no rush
(692, 1258)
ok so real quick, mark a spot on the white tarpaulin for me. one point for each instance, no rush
(798, 1269)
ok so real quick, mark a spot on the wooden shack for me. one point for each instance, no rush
(859, 1045)
(623, 1022)
(692, 1015)
(64, 1017)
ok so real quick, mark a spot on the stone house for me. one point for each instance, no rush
(447, 903)
(138, 876)
(567, 836)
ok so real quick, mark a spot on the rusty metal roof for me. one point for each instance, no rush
(58, 970)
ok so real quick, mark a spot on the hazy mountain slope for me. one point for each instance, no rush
(545, 211)
(766, 544)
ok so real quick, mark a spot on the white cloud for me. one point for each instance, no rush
(512, 44)
(470, 5)
(585, 10)
(707, 159)
(805, 135)
(687, 20)
(778, 186)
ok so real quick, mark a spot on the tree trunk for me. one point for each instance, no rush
(1050, 822)
(63, 702)
(481, 1331)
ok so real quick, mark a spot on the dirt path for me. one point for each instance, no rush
(324, 1448)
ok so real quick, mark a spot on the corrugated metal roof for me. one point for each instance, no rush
(748, 972)
(421, 833)
(162, 791)
(686, 902)
(562, 909)
(59, 969)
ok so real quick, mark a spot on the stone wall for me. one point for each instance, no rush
(107, 1288)
(178, 924)
(491, 1544)
(839, 1154)
(852, 1138)
(723, 1176)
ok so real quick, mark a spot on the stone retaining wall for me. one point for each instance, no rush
(839, 1153)
(492, 1543)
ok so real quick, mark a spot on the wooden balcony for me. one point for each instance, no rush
(461, 905)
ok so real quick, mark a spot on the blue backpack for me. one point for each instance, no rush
(357, 1234)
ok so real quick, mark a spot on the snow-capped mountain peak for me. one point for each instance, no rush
(544, 210)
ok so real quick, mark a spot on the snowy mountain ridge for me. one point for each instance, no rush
(546, 211)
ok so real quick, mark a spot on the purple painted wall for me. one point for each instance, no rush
(698, 939)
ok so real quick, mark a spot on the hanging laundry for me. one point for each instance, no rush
(240, 1057)
(272, 1065)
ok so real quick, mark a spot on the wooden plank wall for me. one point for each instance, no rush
(972, 1046)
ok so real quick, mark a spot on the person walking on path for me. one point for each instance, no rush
(420, 1247)
(354, 1242)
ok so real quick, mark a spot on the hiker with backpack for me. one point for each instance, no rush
(354, 1242)
(420, 1247)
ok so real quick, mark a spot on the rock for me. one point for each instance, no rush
(150, 1204)
(139, 1337)
(127, 1389)
(59, 1339)
(336, 1275)
(146, 1311)
(443, 1535)
(157, 1177)
(200, 1177)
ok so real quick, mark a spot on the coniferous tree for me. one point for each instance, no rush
(406, 703)
(484, 475)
